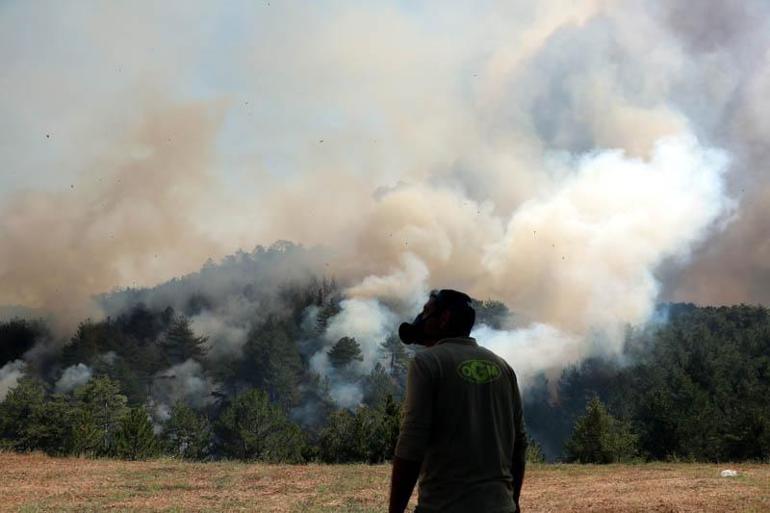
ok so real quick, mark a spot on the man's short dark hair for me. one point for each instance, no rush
(459, 305)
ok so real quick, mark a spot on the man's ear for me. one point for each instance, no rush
(446, 315)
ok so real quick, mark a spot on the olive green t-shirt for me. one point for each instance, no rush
(463, 419)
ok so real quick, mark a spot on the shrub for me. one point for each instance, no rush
(369, 435)
(135, 439)
(186, 433)
(251, 428)
(600, 438)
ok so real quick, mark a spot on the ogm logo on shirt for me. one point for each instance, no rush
(479, 371)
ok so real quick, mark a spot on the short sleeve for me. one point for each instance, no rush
(418, 411)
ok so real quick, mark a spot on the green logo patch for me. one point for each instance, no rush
(479, 371)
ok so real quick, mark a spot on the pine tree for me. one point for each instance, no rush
(23, 417)
(391, 413)
(135, 439)
(88, 437)
(600, 438)
(378, 386)
(338, 441)
(344, 352)
(251, 428)
(100, 408)
(491, 313)
(57, 426)
(274, 362)
(367, 436)
(180, 343)
(89, 341)
(186, 433)
(396, 358)
(316, 402)
(534, 453)
(328, 306)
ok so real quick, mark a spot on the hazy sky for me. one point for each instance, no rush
(139, 138)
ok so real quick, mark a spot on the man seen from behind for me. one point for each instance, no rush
(462, 433)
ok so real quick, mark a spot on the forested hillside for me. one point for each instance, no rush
(693, 386)
(225, 363)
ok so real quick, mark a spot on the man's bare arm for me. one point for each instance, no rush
(402, 480)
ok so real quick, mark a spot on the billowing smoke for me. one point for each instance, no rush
(185, 382)
(73, 377)
(578, 260)
(9, 376)
(369, 323)
(533, 349)
(577, 160)
(224, 339)
(109, 357)
(119, 224)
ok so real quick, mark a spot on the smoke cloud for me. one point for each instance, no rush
(532, 350)
(577, 261)
(369, 323)
(73, 377)
(10, 373)
(578, 160)
(119, 225)
(185, 382)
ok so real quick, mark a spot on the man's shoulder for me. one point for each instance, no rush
(468, 349)
(483, 353)
(426, 360)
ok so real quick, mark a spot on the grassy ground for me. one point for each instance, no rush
(36, 483)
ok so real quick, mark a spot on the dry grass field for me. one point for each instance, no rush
(36, 483)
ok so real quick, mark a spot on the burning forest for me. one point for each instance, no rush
(591, 173)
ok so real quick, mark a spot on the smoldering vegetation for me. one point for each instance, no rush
(571, 164)
(242, 360)
(258, 334)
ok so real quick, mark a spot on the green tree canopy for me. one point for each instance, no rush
(251, 428)
(23, 415)
(186, 433)
(273, 362)
(344, 352)
(396, 357)
(378, 385)
(135, 439)
(180, 343)
(600, 438)
(368, 435)
(99, 409)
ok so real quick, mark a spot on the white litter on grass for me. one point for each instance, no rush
(729, 473)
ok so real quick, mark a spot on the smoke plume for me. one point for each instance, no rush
(121, 224)
(9, 376)
(73, 377)
(579, 161)
(185, 382)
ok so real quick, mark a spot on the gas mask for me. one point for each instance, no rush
(414, 332)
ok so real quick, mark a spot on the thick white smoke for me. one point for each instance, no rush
(578, 260)
(369, 323)
(224, 339)
(534, 349)
(10, 373)
(73, 377)
(185, 382)
(558, 156)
